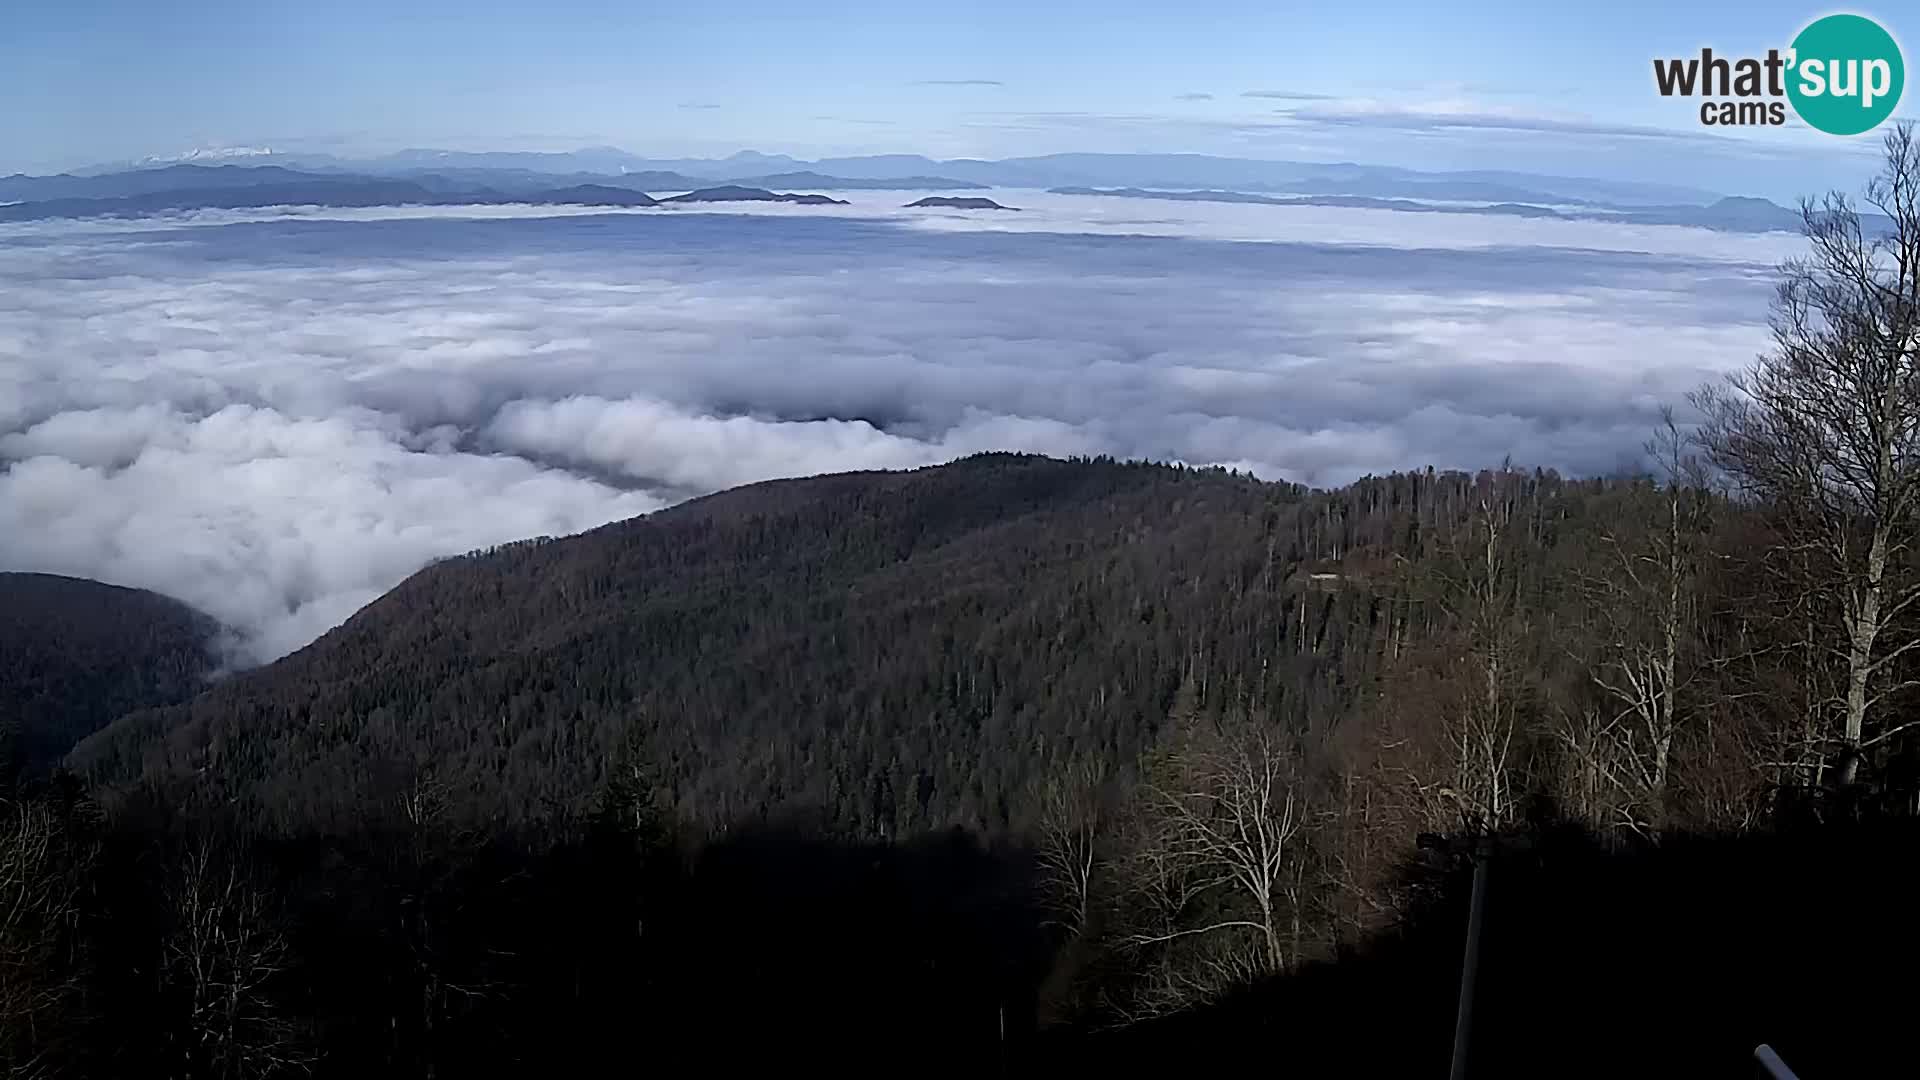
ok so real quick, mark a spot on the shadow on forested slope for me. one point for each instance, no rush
(1674, 960)
(411, 953)
(398, 954)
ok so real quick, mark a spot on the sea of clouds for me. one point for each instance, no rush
(276, 416)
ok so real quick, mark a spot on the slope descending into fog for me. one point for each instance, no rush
(893, 652)
(74, 654)
(896, 650)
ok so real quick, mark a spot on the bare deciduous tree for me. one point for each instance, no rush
(1645, 642)
(1823, 431)
(1074, 813)
(424, 802)
(1222, 855)
(40, 877)
(222, 955)
(1482, 597)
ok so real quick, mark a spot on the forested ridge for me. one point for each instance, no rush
(1032, 765)
(901, 652)
(75, 654)
(889, 652)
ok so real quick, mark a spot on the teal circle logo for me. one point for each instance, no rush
(1846, 74)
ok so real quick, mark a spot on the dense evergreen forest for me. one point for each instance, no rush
(76, 654)
(1026, 765)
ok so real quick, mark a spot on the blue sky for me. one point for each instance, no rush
(1536, 87)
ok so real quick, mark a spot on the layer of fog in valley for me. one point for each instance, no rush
(277, 415)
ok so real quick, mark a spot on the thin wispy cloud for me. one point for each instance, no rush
(698, 105)
(1054, 120)
(1194, 97)
(1455, 88)
(959, 82)
(1286, 95)
(1469, 117)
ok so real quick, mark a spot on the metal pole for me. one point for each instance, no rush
(1003, 1039)
(1463, 1021)
(1770, 1067)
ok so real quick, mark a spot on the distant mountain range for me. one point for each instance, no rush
(457, 180)
(365, 191)
(1363, 202)
(912, 171)
(325, 192)
(496, 179)
(849, 183)
(1733, 214)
